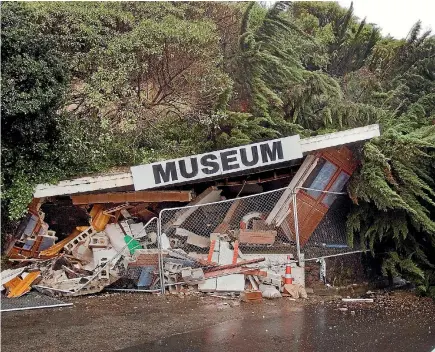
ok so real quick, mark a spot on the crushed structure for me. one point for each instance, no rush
(216, 241)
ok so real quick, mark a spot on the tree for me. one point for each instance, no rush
(34, 78)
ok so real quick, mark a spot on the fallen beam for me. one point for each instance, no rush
(210, 195)
(225, 272)
(231, 266)
(134, 197)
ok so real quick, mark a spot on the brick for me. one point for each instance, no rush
(251, 296)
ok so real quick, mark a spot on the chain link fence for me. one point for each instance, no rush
(329, 239)
(244, 219)
(265, 225)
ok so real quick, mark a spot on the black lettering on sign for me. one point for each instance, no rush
(244, 157)
(227, 158)
(194, 165)
(170, 173)
(268, 154)
(211, 167)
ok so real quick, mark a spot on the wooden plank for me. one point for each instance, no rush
(134, 197)
(236, 252)
(339, 138)
(56, 248)
(257, 237)
(210, 195)
(225, 224)
(210, 252)
(192, 238)
(24, 285)
(237, 265)
(84, 184)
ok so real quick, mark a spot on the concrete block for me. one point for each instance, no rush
(104, 273)
(173, 267)
(116, 237)
(104, 255)
(69, 247)
(82, 252)
(192, 276)
(99, 240)
(197, 274)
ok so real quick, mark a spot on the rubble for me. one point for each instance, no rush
(251, 296)
(116, 251)
(269, 292)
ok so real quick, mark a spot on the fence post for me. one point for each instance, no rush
(295, 218)
(160, 254)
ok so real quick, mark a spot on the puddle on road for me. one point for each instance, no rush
(304, 330)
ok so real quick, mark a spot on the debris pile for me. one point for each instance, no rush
(88, 260)
(119, 251)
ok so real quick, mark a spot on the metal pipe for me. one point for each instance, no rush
(160, 256)
(295, 219)
(337, 255)
(38, 307)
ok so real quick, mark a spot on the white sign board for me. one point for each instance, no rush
(217, 163)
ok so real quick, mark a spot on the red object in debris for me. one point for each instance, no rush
(210, 253)
(236, 252)
(288, 279)
(251, 296)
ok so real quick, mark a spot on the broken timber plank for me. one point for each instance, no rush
(225, 272)
(225, 224)
(133, 197)
(239, 264)
(192, 238)
(23, 286)
(210, 195)
(56, 248)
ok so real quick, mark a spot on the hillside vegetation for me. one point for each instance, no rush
(90, 86)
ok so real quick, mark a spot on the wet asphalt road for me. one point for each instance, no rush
(308, 329)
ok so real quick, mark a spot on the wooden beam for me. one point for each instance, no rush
(210, 195)
(133, 197)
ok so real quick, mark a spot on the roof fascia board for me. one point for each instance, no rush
(336, 139)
